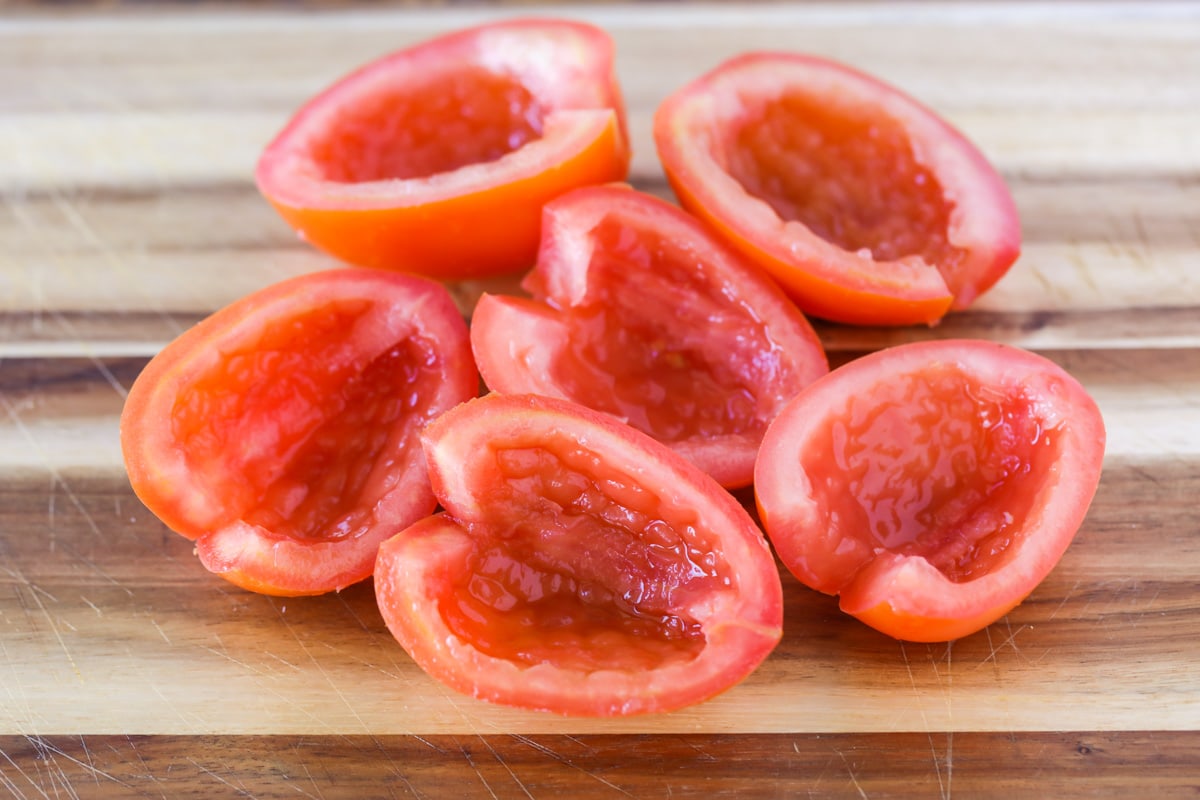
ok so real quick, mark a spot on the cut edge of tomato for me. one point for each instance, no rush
(825, 279)
(249, 556)
(576, 145)
(755, 628)
(789, 251)
(244, 553)
(411, 578)
(906, 596)
(512, 322)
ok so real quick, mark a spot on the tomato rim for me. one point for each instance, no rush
(903, 595)
(516, 340)
(824, 279)
(740, 629)
(244, 553)
(569, 69)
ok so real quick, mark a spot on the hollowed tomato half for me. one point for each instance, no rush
(933, 485)
(280, 433)
(864, 204)
(437, 159)
(638, 310)
(579, 567)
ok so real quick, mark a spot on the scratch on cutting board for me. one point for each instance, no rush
(1066, 596)
(15, 417)
(853, 777)
(240, 789)
(337, 690)
(224, 653)
(129, 740)
(161, 632)
(76, 221)
(70, 212)
(568, 762)
(320, 795)
(88, 766)
(397, 770)
(11, 785)
(943, 785)
(500, 759)
(466, 754)
(1010, 641)
(154, 687)
(36, 593)
(49, 771)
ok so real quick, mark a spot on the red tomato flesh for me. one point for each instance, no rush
(639, 312)
(437, 159)
(580, 567)
(931, 485)
(280, 433)
(865, 205)
(469, 116)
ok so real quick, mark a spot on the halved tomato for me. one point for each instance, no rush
(580, 566)
(931, 485)
(280, 433)
(640, 312)
(863, 203)
(437, 159)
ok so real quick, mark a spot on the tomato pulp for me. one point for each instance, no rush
(580, 566)
(864, 204)
(280, 433)
(931, 485)
(437, 159)
(638, 311)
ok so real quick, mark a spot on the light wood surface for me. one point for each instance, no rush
(128, 138)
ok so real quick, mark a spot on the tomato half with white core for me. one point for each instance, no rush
(580, 567)
(437, 159)
(932, 486)
(637, 310)
(866, 205)
(280, 433)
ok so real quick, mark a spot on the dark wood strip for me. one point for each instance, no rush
(1071, 764)
(78, 334)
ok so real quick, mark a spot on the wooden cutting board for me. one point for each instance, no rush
(127, 144)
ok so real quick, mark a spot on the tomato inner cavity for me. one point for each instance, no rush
(642, 346)
(851, 179)
(466, 116)
(936, 466)
(289, 430)
(582, 571)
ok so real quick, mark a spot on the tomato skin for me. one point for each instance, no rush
(996, 464)
(458, 215)
(611, 260)
(697, 132)
(231, 433)
(425, 572)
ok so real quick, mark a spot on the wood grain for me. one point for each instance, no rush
(128, 137)
(976, 765)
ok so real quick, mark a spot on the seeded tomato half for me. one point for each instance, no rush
(579, 567)
(932, 486)
(437, 159)
(864, 204)
(280, 433)
(638, 310)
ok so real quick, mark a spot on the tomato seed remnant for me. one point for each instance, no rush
(305, 442)
(822, 168)
(658, 381)
(932, 467)
(466, 117)
(590, 579)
